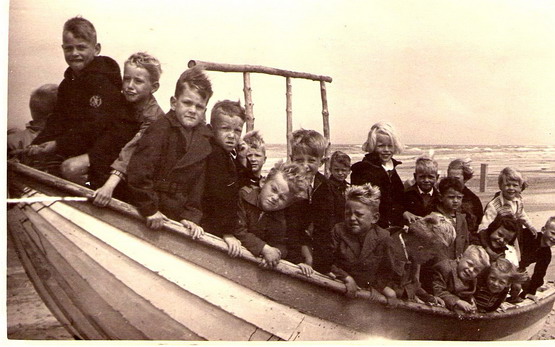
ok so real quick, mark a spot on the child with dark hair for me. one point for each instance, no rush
(471, 205)
(252, 153)
(500, 234)
(340, 167)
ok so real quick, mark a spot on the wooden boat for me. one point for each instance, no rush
(105, 275)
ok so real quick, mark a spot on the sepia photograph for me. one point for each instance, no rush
(335, 171)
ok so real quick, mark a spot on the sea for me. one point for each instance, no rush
(527, 159)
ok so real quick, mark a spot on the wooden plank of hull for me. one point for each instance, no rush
(284, 322)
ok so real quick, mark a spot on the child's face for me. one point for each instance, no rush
(256, 158)
(339, 171)
(497, 281)
(359, 217)
(274, 194)
(137, 86)
(384, 147)
(548, 238)
(501, 237)
(227, 131)
(78, 53)
(308, 161)
(456, 173)
(426, 179)
(468, 268)
(189, 108)
(510, 189)
(451, 200)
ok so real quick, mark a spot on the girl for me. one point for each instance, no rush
(493, 285)
(378, 168)
(499, 237)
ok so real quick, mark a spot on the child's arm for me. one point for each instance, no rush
(540, 270)
(196, 230)
(306, 265)
(525, 220)
(440, 286)
(489, 215)
(103, 194)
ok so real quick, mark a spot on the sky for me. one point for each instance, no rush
(442, 72)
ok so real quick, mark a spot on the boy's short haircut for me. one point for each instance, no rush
(42, 101)
(254, 140)
(510, 174)
(309, 142)
(366, 194)
(147, 62)
(228, 107)
(386, 129)
(467, 170)
(479, 254)
(507, 221)
(425, 163)
(550, 220)
(81, 28)
(505, 267)
(194, 79)
(295, 176)
(340, 158)
(450, 182)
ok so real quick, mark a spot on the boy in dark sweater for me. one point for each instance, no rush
(471, 205)
(422, 197)
(340, 167)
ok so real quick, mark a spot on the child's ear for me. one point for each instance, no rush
(173, 102)
(97, 48)
(324, 160)
(414, 175)
(376, 217)
(155, 87)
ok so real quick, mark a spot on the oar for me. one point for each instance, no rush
(32, 199)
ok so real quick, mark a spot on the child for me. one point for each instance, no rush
(255, 153)
(225, 175)
(493, 285)
(421, 198)
(537, 249)
(140, 81)
(356, 241)
(508, 200)
(41, 105)
(89, 101)
(262, 227)
(449, 202)
(500, 234)
(310, 221)
(400, 264)
(455, 280)
(340, 167)
(471, 204)
(378, 168)
(166, 171)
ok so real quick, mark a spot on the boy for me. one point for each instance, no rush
(357, 240)
(166, 172)
(340, 167)
(140, 81)
(89, 101)
(471, 205)
(455, 281)
(41, 105)
(262, 227)
(254, 151)
(225, 175)
(537, 249)
(420, 199)
(449, 202)
(310, 221)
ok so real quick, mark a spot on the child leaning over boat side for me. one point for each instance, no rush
(225, 175)
(252, 153)
(493, 285)
(454, 281)
(356, 241)
(421, 198)
(340, 167)
(471, 205)
(309, 221)
(378, 167)
(141, 75)
(167, 169)
(500, 235)
(261, 226)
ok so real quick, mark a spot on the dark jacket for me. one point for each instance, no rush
(357, 255)
(85, 107)
(534, 252)
(414, 202)
(462, 237)
(370, 170)
(338, 191)
(448, 286)
(225, 176)
(166, 173)
(257, 228)
(309, 223)
(472, 208)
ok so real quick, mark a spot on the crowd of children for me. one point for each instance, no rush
(430, 242)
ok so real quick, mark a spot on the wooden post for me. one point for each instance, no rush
(248, 100)
(326, 120)
(483, 177)
(289, 111)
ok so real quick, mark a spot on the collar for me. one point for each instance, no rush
(202, 128)
(430, 193)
